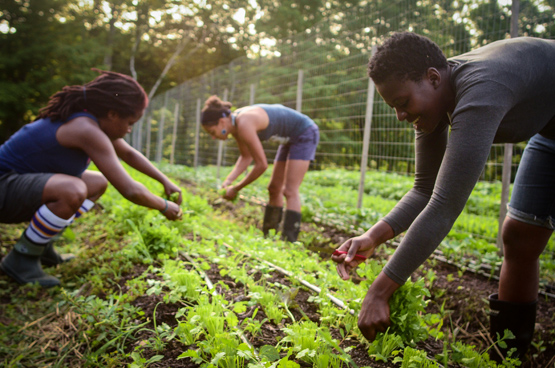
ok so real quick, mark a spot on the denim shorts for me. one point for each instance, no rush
(301, 147)
(533, 197)
(21, 196)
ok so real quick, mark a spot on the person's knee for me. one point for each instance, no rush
(290, 192)
(275, 189)
(100, 187)
(518, 242)
(74, 192)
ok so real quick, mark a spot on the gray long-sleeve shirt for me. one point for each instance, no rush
(505, 93)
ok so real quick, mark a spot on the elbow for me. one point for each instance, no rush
(263, 166)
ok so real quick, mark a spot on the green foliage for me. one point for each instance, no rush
(386, 347)
(40, 55)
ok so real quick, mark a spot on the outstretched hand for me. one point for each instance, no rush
(229, 193)
(170, 188)
(173, 212)
(352, 253)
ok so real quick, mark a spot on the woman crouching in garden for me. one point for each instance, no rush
(43, 169)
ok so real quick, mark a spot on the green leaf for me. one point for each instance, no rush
(269, 352)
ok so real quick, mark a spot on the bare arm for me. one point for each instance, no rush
(139, 162)
(241, 165)
(251, 149)
(248, 139)
(83, 133)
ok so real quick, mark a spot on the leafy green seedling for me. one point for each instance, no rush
(174, 197)
(222, 193)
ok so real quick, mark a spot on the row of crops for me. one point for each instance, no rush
(210, 291)
(330, 197)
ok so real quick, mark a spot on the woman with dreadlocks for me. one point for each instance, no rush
(43, 168)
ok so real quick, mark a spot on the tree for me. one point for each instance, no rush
(43, 48)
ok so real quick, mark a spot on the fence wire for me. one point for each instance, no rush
(322, 73)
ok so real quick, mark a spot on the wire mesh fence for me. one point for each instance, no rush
(322, 73)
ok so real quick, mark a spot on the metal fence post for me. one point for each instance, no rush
(174, 133)
(508, 155)
(299, 91)
(197, 134)
(160, 137)
(366, 136)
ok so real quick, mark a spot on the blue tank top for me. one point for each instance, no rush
(285, 123)
(35, 149)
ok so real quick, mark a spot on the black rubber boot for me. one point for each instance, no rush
(291, 225)
(519, 318)
(272, 218)
(23, 264)
(51, 258)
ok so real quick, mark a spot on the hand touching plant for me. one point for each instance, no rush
(355, 250)
(229, 193)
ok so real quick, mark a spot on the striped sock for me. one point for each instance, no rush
(44, 225)
(85, 207)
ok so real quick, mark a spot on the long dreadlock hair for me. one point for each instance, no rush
(108, 91)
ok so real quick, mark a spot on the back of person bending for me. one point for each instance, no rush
(298, 136)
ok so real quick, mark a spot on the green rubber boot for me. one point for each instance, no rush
(272, 218)
(23, 264)
(50, 257)
(291, 225)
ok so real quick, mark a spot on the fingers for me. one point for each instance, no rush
(370, 332)
(174, 211)
(342, 271)
(180, 198)
(340, 254)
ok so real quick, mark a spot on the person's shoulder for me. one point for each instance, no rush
(250, 112)
(84, 121)
(81, 128)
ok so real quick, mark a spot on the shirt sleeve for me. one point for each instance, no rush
(476, 118)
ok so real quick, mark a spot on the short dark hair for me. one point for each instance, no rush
(405, 56)
(109, 91)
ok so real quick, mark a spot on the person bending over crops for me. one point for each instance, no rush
(298, 136)
(459, 107)
(43, 169)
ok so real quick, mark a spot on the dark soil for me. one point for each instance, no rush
(462, 296)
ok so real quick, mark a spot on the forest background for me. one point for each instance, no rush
(47, 44)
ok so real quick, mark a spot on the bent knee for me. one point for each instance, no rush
(290, 192)
(523, 241)
(275, 189)
(74, 192)
(100, 186)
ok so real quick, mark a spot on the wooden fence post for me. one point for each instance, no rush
(366, 136)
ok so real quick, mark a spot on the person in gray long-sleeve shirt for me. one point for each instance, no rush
(503, 92)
